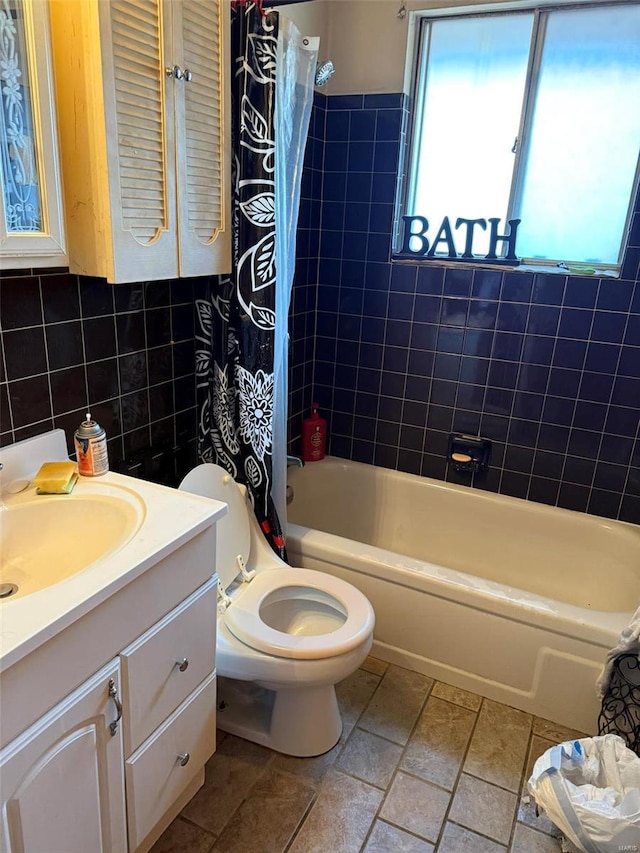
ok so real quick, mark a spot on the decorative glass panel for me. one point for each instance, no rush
(18, 158)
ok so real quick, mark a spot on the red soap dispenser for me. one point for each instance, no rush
(314, 436)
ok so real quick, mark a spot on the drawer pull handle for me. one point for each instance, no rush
(113, 693)
(182, 664)
(183, 759)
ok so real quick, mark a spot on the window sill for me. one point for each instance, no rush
(552, 269)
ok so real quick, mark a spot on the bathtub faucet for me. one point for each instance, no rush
(294, 462)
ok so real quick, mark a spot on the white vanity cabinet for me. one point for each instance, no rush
(139, 731)
(31, 213)
(143, 104)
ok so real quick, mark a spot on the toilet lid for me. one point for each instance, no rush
(243, 619)
(233, 534)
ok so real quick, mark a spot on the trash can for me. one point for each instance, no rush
(590, 789)
(620, 711)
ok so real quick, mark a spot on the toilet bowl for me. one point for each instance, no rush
(286, 636)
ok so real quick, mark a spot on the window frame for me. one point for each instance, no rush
(414, 81)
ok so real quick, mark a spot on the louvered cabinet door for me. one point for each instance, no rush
(201, 50)
(140, 137)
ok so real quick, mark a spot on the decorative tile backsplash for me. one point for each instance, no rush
(546, 366)
(126, 352)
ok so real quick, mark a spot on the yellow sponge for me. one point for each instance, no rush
(56, 478)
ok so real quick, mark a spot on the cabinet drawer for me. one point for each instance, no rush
(154, 775)
(154, 684)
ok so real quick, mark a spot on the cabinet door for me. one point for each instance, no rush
(62, 782)
(203, 136)
(31, 218)
(140, 127)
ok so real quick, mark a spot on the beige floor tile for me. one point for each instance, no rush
(527, 815)
(438, 744)
(390, 839)
(554, 731)
(484, 808)
(396, 704)
(375, 665)
(498, 748)
(182, 836)
(230, 774)
(370, 758)
(341, 817)
(457, 839)
(457, 696)
(258, 801)
(354, 694)
(268, 817)
(311, 770)
(527, 840)
(416, 806)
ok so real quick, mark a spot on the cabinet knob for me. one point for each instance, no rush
(174, 71)
(188, 76)
(182, 664)
(183, 758)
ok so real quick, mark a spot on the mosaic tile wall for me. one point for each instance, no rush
(546, 366)
(69, 343)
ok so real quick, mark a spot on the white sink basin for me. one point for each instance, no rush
(45, 539)
(69, 554)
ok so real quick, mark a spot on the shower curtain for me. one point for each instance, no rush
(297, 59)
(238, 328)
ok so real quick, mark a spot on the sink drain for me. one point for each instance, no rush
(7, 589)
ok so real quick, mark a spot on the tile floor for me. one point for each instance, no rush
(420, 767)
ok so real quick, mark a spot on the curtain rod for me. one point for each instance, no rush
(269, 3)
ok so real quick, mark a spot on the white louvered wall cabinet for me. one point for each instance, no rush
(143, 102)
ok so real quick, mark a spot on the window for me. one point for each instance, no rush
(525, 115)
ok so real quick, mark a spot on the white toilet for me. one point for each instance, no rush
(286, 636)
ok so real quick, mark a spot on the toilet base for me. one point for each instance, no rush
(301, 722)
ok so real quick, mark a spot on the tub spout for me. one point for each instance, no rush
(294, 462)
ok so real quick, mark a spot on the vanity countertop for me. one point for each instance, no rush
(167, 519)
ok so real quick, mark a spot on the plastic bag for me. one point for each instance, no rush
(590, 789)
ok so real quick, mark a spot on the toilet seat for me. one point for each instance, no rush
(244, 621)
(243, 600)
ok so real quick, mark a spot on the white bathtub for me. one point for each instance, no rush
(511, 599)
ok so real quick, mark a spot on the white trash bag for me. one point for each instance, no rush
(590, 789)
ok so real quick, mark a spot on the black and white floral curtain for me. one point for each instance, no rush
(236, 320)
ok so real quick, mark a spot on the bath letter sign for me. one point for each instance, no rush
(443, 247)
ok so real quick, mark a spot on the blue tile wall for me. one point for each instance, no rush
(546, 366)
